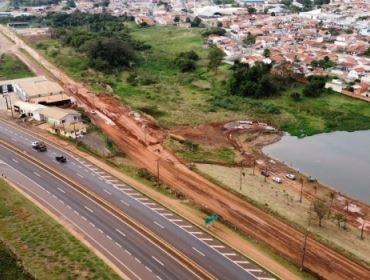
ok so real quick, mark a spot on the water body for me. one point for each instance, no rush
(338, 159)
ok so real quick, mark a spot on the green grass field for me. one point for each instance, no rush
(12, 68)
(44, 247)
(188, 99)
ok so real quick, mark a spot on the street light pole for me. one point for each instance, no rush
(304, 249)
(158, 172)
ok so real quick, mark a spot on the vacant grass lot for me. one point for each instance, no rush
(45, 248)
(284, 201)
(12, 68)
(182, 99)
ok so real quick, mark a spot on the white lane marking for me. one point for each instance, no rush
(55, 196)
(142, 198)
(61, 201)
(135, 194)
(76, 212)
(185, 226)
(83, 218)
(15, 140)
(147, 268)
(100, 230)
(120, 232)
(196, 232)
(107, 192)
(158, 209)
(37, 174)
(69, 207)
(117, 244)
(217, 246)
(167, 214)
(158, 277)
(199, 252)
(175, 220)
(229, 254)
(61, 190)
(16, 161)
(206, 239)
(158, 261)
(91, 224)
(149, 203)
(128, 252)
(80, 175)
(241, 262)
(136, 259)
(88, 209)
(47, 191)
(110, 238)
(253, 270)
(158, 224)
(54, 153)
(124, 202)
(79, 166)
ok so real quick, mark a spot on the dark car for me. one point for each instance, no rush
(265, 173)
(39, 146)
(62, 159)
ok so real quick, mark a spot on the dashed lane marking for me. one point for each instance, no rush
(107, 192)
(158, 261)
(120, 232)
(158, 224)
(78, 174)
(117, 244)
(128, 252)
(147, 268)
(16, 161)
(37, 174)
(199, 252)
(83, 218)
(124, 202)
(110, 238)
(59, 189)
(88, 209)
(229, 254)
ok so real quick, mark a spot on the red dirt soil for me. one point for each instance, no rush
(143, 146)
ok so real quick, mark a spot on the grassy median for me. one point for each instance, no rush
(12, 68)
(43, 247)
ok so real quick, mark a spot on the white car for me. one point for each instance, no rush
(35, 144)
(277, 179)
(291, 176)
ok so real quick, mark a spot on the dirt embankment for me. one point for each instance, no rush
(141, 141)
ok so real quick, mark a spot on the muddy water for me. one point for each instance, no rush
(339, 159)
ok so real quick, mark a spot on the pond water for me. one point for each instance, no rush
(338, 159)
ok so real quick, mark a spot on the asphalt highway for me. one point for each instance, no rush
(213, 256)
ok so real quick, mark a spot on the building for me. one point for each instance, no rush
(29, 109)
(335, 85)
(38, 90)
(58, 117)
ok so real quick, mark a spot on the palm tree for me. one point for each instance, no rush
(332, 196)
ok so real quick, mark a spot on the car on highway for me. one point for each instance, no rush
(39, 146)
(61, 159)
(277, 179)
(291, 176)
(312, 179)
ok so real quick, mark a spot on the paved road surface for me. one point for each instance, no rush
(212, 255)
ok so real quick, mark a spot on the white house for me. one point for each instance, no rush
(58, 117)
(335, 84)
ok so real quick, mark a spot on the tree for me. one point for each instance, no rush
(249, 40)
(296, 96)
(196, 22)
(339, 217)
(321, 209)
(316, 86)
(266, 53)
(367, 53)
(252, 10)
(107, 54)
(214, 31)
(176, 19)
(332, 196)
(364, 224)
(301, 181)
(186, 61)
(215, 57)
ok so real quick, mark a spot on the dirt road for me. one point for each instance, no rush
(141, 141)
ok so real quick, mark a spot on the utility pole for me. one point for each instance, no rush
(6, 96)
(240, 177)
(158, 172)
(254, 166)
(304, 249)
